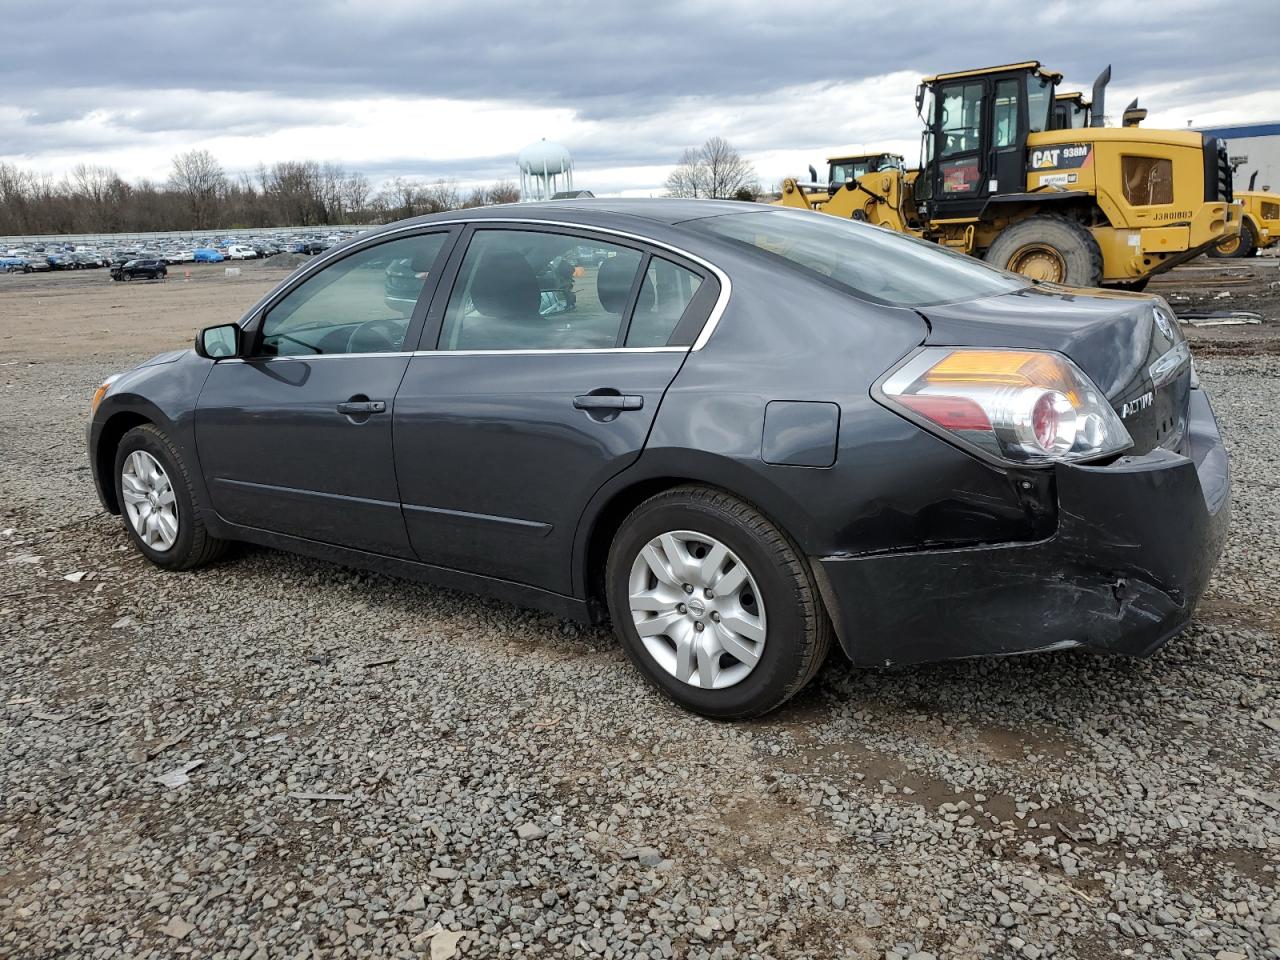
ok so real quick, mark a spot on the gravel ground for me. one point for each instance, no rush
(375, 768)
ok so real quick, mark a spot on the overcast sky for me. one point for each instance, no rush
(438, 88)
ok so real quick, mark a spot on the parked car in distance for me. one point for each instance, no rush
(62, 261)
(12, 264)
(152, 268)
(86, 261)
(207, 255)
(238, 251)
(35, 263)
(742, 434)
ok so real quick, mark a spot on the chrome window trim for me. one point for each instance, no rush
(454, 353)
(522, 352)
(708, 328)
(313, 356)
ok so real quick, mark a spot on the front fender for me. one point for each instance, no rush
(163, 392)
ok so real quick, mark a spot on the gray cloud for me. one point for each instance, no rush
(609, 62)
(606, 56)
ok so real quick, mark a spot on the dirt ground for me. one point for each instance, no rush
(273, 757)
(1230, 290)
(84, 313)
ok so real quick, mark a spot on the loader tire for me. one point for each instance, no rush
(1049, 248)
(1244, 245)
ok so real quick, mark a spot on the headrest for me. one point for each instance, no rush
(613, 285)
(505, 286)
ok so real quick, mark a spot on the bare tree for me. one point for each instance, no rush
(714, 170)
(687, 179)
(199, 178)
(199, 195)
(504, 192)
(726, 171)
(355, 194)
(442, 195)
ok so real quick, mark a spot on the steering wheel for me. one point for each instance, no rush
(377, 336)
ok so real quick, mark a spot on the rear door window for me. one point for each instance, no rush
(529, 290)
(663, 299)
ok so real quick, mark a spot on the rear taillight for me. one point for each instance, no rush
(1018, 406)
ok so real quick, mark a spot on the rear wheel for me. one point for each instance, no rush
(1049, 248)
(714, 604)
(1244, 244)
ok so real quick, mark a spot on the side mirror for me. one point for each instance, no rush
(919, 97)
(215, 343)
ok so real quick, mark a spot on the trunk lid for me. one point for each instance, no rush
(1128, 344)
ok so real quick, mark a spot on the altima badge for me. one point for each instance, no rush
(1140, 403)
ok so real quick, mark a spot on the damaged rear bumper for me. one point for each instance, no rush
(1136, 543)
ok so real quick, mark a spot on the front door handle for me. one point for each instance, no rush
(609, 401)
(362, 408)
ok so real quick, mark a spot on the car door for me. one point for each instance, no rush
(295, 435)
(554, 349)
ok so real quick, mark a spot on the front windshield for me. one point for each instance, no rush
(846, 170)
(871, 262)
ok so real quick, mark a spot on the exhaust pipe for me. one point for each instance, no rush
(1253, 178)
(1097, 111)
(1134, 114)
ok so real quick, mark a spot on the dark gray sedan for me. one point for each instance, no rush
(737, 431)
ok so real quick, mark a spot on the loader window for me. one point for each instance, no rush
(1006, 113)
(960, 121)
(1147, 180)
(1039, 102)
(848, 170)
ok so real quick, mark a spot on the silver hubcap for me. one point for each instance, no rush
(697, 609)
(149, 501)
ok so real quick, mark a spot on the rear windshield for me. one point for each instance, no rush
(871, 262)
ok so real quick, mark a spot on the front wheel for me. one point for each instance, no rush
(1049, 248)
(159, 503)
(1245, 244)
(714, 604)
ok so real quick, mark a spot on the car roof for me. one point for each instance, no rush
(662, 210)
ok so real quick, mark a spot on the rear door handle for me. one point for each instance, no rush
(357, 408)
(609, 401)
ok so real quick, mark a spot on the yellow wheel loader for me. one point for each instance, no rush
(1259, 223)
(1004, 177)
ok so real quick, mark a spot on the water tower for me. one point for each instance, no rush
(545, 169)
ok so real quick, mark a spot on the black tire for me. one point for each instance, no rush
(1133, 286)
(1066, 244)
(798, 634)
(194, 546)
(1245, 246)
(27, 270)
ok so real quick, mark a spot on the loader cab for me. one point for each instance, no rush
(1070, 111)
(974, 144)
(843, 170)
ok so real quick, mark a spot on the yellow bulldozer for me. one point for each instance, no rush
(1034, 183)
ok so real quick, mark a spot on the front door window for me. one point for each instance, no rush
(360, 304)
